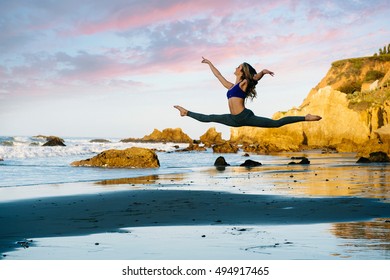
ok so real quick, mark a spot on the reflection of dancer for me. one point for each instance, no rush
(246, 81)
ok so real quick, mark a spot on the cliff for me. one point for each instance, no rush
(354, 101)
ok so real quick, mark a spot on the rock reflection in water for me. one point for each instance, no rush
(372, 235)
(350, 180)
(144, 180)
(131, 181)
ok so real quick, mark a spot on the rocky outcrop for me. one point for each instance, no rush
(251, 163)
(375, 157)
(353, 120)
(303, 160)
(225, 148)
(174, 135)
(211, 137)
(270, 145)
(54, 141)
(51, 140)
(193, 147)
(99, 141)
(129, 158)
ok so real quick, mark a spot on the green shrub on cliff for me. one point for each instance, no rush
(351, 87)
(373, 75)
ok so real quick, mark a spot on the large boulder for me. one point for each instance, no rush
(129, 158)
(220, 161)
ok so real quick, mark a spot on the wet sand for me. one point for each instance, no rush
(200, 206)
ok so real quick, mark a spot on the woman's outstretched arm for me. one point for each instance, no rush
(218, 74)
(260, 75)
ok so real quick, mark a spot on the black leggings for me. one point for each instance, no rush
(245, 118)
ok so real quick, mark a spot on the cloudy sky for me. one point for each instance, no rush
(115, 68)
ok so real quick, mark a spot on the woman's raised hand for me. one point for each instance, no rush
(266, 71)
(205, 60)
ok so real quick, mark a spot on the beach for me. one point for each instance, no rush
(331, 209)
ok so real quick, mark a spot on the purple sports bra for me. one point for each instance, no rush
(236, 91)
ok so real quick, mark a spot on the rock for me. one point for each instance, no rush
(7, 143)
(269, 145)
(100, 141)
(371, 146)
(174, 135)
(193, 147)
(304, 160)
(250, 163)
(129, 158)
(54, 141)
(379, 157)
(375, 157)
(225, 148)
(220, 161)
(211, 137)
(363, 160)
(1, 159)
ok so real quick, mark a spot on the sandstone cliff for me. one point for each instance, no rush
(354, 101)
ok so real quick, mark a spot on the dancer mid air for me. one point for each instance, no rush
(244, 87)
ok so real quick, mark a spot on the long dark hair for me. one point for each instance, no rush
(247, 73)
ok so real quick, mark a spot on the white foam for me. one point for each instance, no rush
(25, 147)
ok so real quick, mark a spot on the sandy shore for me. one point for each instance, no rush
(173, 200)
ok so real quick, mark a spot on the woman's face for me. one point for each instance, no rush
(238, 71)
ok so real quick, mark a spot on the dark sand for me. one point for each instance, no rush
(88, 214)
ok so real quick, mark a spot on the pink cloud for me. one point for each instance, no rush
(142, 14)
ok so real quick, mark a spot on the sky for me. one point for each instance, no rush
(115, 68)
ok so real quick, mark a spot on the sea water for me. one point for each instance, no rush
(27, 162)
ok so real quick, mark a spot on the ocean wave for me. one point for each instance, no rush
(24, 148)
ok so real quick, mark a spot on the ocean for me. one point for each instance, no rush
(27, 163)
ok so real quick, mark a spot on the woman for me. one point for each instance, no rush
(244, 87)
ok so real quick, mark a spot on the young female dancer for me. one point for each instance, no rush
(244, 87)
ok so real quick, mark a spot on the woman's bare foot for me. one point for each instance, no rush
(312, 118)
(183, 112)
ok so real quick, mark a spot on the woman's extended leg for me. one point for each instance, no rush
(246, 118)
(266, 122)
(225, 119)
